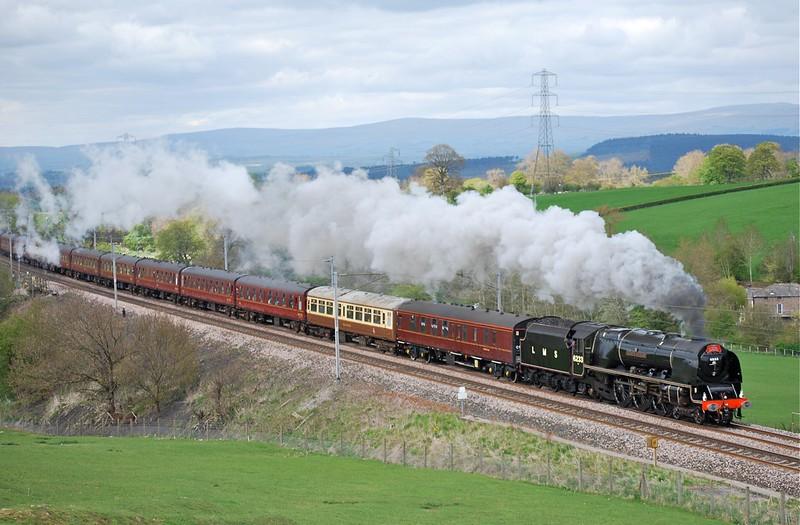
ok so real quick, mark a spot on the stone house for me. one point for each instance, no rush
(782, 299)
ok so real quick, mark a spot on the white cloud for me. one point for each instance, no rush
(86, 71)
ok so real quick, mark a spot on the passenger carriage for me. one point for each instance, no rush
(364, 317)
(269, 300)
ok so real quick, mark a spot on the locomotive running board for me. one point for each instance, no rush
(635, 376)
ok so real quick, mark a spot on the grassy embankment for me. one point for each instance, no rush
(128, 480)
(772, 383)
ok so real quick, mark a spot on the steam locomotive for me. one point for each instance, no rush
(663, 373)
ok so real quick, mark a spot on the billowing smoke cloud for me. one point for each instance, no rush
(374, 225)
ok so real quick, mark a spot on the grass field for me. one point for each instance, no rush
(129, 480)
(772, 383)
(617, 198)
(775, 211)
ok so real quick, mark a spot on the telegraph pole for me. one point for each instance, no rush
(499, 291)
(335, 285)
(113, 268)
(225, 249)
(544, 146)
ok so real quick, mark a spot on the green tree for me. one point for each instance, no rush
(180, 241)
(478, 184)
(411, 291)
(520, 181)
(720, 323)
(763, 163)
(443, 166)
(653, 319)
(724, 163)
(792, 168)
(140, 238)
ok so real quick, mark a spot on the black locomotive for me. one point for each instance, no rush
(649, 370)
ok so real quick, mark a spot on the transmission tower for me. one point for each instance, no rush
(545, 145)
(391, 170)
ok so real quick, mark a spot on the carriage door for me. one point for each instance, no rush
(577, 357)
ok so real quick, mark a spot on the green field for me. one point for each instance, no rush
(772, 383)
(131, 480)
(775, 211)
(618, 198)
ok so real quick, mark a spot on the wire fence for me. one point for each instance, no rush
(552, 466)
(758, 349)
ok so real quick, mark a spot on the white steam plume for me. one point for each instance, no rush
(373, 225)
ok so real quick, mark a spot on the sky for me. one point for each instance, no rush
(79, 71)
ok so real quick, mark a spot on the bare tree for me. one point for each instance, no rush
(166, 361)
(77, 344)
(751, 242)
(443, 166)
(688, 167)
(497, 178)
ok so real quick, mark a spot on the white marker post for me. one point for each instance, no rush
(462, 397)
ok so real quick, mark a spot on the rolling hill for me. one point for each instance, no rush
(367, 144)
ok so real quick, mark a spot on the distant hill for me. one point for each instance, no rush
(368, 144)
(658, 153)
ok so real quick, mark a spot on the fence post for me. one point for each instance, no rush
(549, 473)
(611, 476)
(747, 505)
(384, 450)
(580, 474)
(341, 444)
(363, 447)
(280, 435)
(480, 460)
(451, 455)
(783, 508)
(174, 424)
(519, 466)
(158, 426)
(679, 488)
(643, 483)
(425, 461)
(404, 452)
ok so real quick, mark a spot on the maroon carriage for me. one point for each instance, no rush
(209, 288)
(126, 270)
(84, 263)
(265, 299)
(158, 278)
(482, 339)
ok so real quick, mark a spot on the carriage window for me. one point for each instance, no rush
(475, 334)
(412, 324)
(422, 322)
(494, 337)
(485, 336)
(383, 318)
(269, 297)
(312, 306)
(445, 329)
(283, 299)
(291, 301)
(367, 315)
(434, 327)
(330, 308)
(359, 313)
(349, 314)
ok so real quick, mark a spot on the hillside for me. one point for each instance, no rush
(658, 153)
(773, 210)
(368, 144)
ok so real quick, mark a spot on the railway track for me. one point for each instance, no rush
(788, 462)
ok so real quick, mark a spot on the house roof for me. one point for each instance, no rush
(775, 290)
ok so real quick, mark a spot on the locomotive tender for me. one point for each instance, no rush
(664, 373)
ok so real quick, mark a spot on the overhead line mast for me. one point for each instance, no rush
(544, 146)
